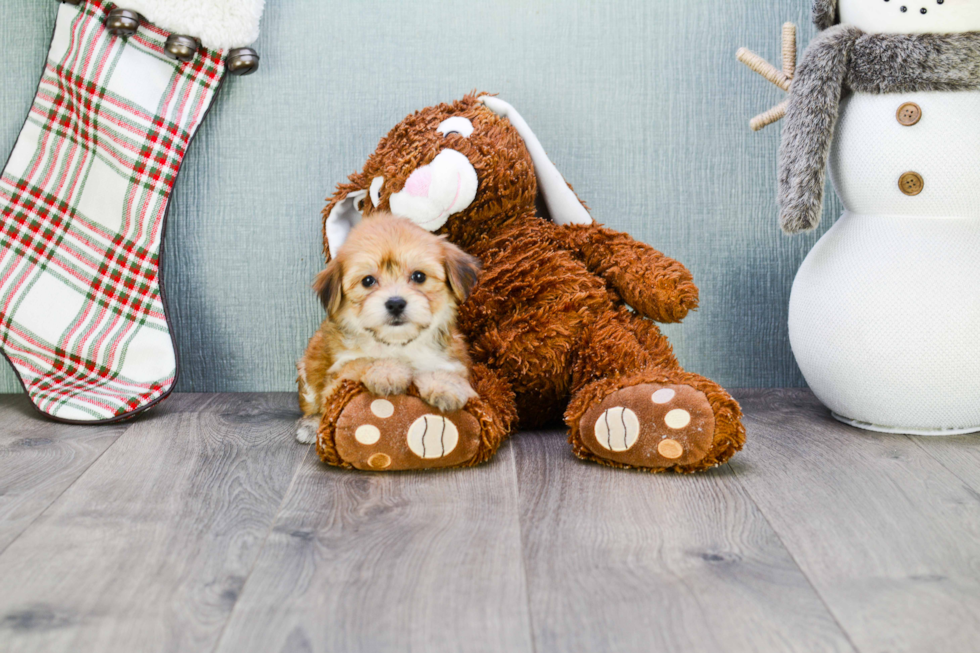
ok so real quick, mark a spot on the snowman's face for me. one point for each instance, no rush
(911, 16)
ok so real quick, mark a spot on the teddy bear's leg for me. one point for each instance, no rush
(403, 432)
(634, 406)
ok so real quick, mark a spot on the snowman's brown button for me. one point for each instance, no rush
(909, 114)
(911, 183)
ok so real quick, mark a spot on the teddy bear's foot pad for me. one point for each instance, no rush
(403, 432)
(650, 425)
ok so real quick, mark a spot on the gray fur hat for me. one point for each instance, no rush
(825, 13)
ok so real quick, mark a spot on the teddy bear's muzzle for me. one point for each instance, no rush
(435, 191)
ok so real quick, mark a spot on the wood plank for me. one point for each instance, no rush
(959, 454)
(426, 561)
(39, 459)
(887, 535)
(149, 549)
(628, 561)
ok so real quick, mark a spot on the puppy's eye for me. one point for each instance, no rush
(367, 282)
(418, 277)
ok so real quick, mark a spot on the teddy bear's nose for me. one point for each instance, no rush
(419, 181)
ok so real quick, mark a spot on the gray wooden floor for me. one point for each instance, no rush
(203, 527)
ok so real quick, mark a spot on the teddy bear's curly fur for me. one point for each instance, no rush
(561, 323)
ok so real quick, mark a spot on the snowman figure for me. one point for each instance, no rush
(884, 316)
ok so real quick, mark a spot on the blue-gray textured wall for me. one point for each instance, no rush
(639, 102)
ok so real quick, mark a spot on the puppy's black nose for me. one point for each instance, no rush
(396, 305)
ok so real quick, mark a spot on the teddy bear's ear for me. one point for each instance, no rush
(561, 202)
(341, 215)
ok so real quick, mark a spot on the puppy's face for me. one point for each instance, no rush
(393, 280)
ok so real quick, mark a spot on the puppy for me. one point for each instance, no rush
(391, 296)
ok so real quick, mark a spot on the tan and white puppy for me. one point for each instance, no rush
(391, 294)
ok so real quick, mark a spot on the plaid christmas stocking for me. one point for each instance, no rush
(83, 203)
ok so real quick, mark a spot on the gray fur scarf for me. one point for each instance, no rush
(843, 57)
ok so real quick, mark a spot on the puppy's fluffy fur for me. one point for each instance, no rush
(386, 262)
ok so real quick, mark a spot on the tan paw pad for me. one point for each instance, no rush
(367, 434)
(677, 418)
(617, 429)
(670, 449)
(382, 408)
(432, 436)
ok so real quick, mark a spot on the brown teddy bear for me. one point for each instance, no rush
(560, 324)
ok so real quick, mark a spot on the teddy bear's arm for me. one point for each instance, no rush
(656, 286)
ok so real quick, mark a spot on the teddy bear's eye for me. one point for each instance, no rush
(456, 125)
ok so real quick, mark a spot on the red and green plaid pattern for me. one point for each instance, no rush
(83, 200)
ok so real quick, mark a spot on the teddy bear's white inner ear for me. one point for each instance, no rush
(563, 205)
(344, 217)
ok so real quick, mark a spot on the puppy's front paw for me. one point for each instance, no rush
(307, 427)
(387, 377)
(446, 391)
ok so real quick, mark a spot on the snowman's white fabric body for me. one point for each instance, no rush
(884, 316)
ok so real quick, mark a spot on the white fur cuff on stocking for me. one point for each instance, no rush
(218, 24)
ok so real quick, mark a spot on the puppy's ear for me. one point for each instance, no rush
(329, 286)
(462, 271)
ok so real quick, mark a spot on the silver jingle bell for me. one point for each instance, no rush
(181, 48)
(242, 61)
(123, 22)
